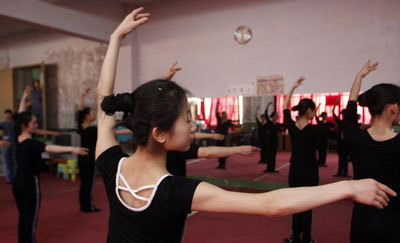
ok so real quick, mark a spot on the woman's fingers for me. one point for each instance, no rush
(142, 15)
(383, 195)
(387, 190)
(381, 201)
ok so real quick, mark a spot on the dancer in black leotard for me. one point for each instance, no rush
(26, 188)
(376, 154)
(303, 161)
(272, 129)
(342, 147)
(261, 137)
(86, 164)
(325, 133)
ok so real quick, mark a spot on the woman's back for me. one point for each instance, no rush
(379, 160)
(160, 219)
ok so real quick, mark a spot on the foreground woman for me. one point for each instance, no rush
(147, 204)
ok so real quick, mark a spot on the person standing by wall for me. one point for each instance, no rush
(8, 153)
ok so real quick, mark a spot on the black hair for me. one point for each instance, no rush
(303, 106)
(22, 118)
(86, 111)
(157, 103)
(323, 114)
(82, 115)
(377, 97)
(272, 114)
(8, 111)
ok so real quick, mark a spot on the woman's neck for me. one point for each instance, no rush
(23, 136)
(150, 159)
(381, 129)
(86, 123)
(302, 122)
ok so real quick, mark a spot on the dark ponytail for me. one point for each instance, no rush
(377, 97)
(303, 106)
(157, 103)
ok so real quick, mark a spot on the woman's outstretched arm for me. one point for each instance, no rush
(105, 131)
(289, 200)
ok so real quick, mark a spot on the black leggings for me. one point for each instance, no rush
(343, 153)
(302, 222)
(27, 198)
(222, 161)
(379, 227)
(322, 150)
(87, 175)
(272, 149)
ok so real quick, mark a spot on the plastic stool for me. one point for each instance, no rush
(73, 168)
(62, 168)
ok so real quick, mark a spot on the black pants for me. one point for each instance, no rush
(263, 153)
(27, 198)
(272, 149)
(87, 175)
(302, 222)
(379, 227)
(343, 153)
(322, 149)
(222, 161)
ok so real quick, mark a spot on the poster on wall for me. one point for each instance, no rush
(240, 90)
(270, 85)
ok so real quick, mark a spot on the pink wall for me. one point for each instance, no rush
(326, 41)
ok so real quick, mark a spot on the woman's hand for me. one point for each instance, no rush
(217, 136)
(367, 68)
(85, 92)
(248, 150)
(4, 143)
(131, 22)
(172, 70)
(80, 150)
(298, 82)
(370, 192)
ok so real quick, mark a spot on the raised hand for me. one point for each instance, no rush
(299, 82)
(131, 22)
(86, 91)
(172, 70)
(248, 150)
(270, 103)
(372, 193)
(367, 68)
(27, 92)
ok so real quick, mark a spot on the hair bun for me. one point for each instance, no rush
(120, 102)
(368, 98)
(295, 108)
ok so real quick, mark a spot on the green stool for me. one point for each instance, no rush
(73, 170)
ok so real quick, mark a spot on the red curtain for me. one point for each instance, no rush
(228, 104)
(326, 101)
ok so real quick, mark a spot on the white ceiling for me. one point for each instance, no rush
(113, 9)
